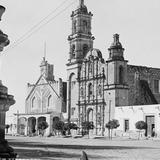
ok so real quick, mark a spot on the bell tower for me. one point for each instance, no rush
(117, 74)
(80, 42)
(81, 39)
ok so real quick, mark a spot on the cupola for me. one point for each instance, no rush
(116, 50)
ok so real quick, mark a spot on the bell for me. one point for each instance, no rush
(2, 9)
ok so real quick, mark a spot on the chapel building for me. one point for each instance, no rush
(45, 101)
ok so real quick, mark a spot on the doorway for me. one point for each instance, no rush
(150, 131)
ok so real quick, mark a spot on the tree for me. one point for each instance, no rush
(140, 125)
(112, 124)
(7, 126)
(59, 125)
(86, 126)
(42, 126)
(69, 126)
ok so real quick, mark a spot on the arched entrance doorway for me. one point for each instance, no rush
(55, 120)
(31, 125)
(39, 120)
(22, 125)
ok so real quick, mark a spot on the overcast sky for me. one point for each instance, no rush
(137, 22)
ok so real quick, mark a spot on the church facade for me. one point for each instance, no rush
(95, 86)
(46, 101)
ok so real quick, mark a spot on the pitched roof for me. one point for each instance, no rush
(48, 82)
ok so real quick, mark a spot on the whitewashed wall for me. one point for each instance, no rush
(134, 114)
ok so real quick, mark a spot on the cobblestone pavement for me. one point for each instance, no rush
(71, 149)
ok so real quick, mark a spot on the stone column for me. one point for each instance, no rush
(5, 102)
(36, 127)
(26, 127)
(47, 133)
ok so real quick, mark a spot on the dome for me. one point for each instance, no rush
(116, 44)
(95, 53)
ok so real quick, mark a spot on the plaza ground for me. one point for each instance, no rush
(71, 148)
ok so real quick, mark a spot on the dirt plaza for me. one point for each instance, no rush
(58, 148)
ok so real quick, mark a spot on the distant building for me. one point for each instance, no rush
(96, 87)
(46, 101)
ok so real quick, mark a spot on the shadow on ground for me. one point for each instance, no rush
(52, 155)
(66, 146)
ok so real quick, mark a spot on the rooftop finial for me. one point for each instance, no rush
(81, 2)
(44, 51)
(116, 37)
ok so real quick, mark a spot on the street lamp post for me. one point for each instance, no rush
(109, 110)
(6, 100)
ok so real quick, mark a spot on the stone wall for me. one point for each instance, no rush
(137, 94)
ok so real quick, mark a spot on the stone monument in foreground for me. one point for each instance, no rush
(6, 101)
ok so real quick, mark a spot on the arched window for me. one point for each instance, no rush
(74, 26)
(73, 48)
(33, 102)
(85, 49)
(90, 90)
(49, 101)
(90, 67)
(85, 26)
(121, 74)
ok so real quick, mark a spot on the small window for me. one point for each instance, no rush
(73, 48)
(126, 125)
(156, 86)
(33, 102)
(74, 26)
(90, 90)
(121, 75)
(85, 26)
(85, 49)
(90, 68)
(49, 101)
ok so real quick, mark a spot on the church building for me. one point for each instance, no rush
(97, 87)
(46, 101)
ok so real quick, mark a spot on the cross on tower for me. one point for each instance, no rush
(81, 2)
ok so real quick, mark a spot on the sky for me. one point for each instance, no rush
(137, 22)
